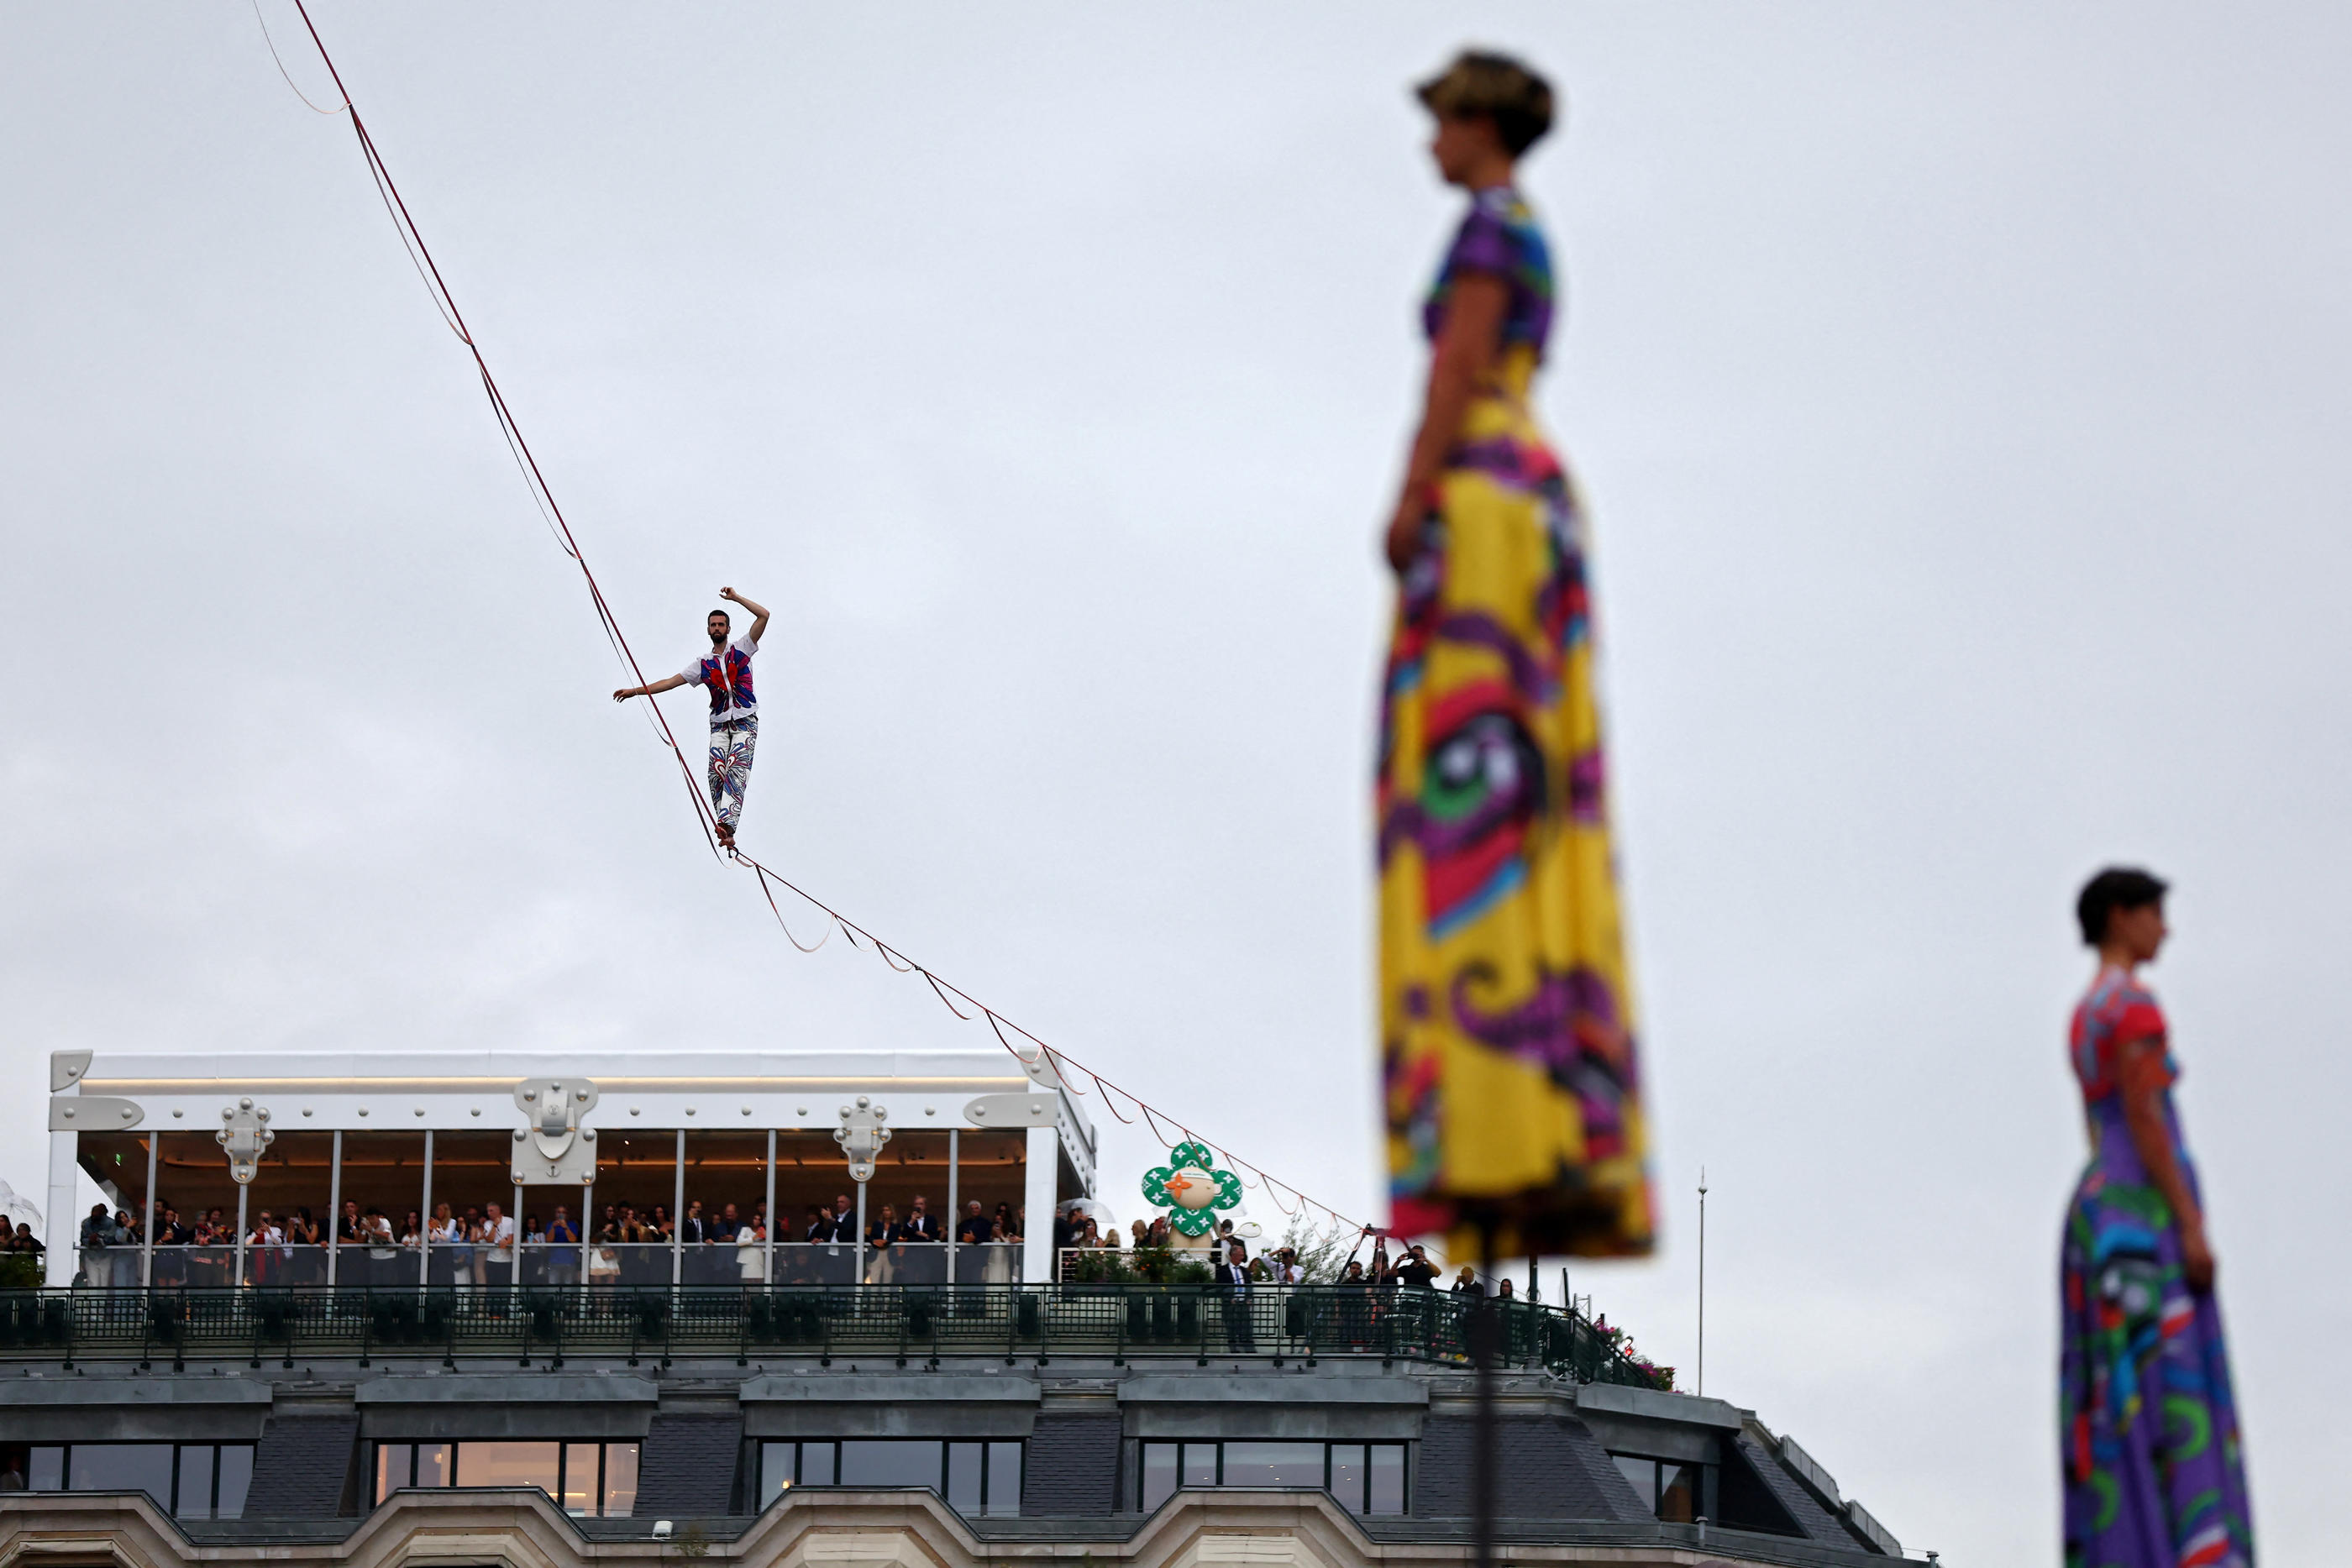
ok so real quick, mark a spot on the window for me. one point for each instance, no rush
(192, 1480)
(979, 1479)
(587, 1480)
(1362, 1478)
(1676, 1491)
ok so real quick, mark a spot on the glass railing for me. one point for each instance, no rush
(523, 1321)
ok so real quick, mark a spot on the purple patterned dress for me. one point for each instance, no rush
(2153, 1474)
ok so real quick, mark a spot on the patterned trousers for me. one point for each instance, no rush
(731, 765)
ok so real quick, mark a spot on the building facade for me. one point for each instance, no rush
(905, 1409)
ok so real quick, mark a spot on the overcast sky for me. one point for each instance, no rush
(1959, 394)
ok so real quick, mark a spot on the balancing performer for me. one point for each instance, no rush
(734, 711)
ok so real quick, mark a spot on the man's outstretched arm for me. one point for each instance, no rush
(668, 683)
(759, 613)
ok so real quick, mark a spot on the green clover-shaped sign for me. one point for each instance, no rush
(1191, 1188)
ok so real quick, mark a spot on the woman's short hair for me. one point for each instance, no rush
(2118, 887)
(1479, 86)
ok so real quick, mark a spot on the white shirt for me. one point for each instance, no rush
(502, 1240)
(729, 702)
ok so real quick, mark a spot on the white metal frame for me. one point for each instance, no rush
(469, 1091)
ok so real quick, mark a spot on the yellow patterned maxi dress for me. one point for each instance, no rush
(1507, 1012)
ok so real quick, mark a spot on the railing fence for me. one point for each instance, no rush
(527, 1322)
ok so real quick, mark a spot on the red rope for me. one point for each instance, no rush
(780, 919)
(543, 496)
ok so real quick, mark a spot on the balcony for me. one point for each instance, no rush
(527, 1324)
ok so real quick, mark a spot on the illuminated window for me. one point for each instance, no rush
(1676, 1491)
(586, 1479)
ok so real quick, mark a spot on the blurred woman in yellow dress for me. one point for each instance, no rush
(1512, 1083)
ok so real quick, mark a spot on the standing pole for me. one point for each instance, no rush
(334, 1204)
(587, 1232)
(1484, 1458)
(147, 1231)
(425, 1223)
(767, 1261)
(955, 1207)
(243, 1191)
(678, 1216)
(515, 1253)
(861, 1235)
(1702, 1278)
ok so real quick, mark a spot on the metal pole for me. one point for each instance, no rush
(65, 1253)
(424, 1226)
(955, 1205)
(514, 1247)
(334, 1204)
(767, 1261)
(587, 1229)
(861, 1235)
(243, 1191)
(1484, 1460)
(1702, 1278)
(677, 1215)
(147, 1231)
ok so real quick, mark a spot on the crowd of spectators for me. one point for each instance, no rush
(1076, 1233)
(483, 1245)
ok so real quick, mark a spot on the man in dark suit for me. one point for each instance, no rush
(919, 1225)
(695, 1235)
(1232, 1278)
